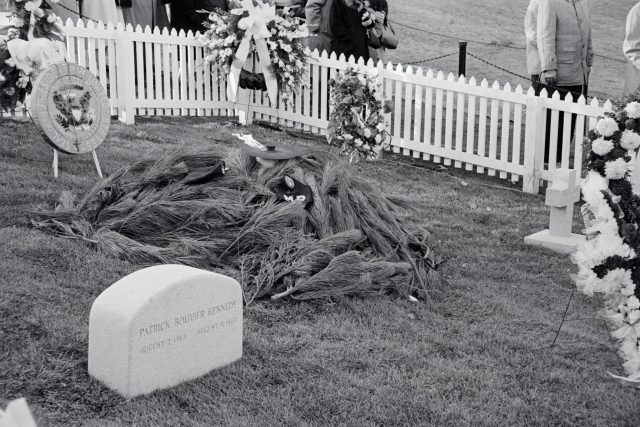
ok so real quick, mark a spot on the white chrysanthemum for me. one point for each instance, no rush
(615, 169)
(633, 303)
(17, 22)
(607, 126)
(2, 78)
(358, 142)
(602, 146)
(380, 127)
(367, 133)
(378, 138)
(629, 140)
(633, 110)
(634, 316)
(32, 5)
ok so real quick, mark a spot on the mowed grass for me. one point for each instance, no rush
(478, 354)
(501, 23)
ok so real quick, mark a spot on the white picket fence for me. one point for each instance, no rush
(454, 121)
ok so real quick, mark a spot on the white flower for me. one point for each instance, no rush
(378, 138)
(23, 81)
(2, 78)
(607, 126)
(633, 110)
(616, 169)
(17, 22)
(633, 302)
(52, 18)
(601, 146)
(10, 62)
(348, 136)
(380, 127)
(367, 133)
(32, 5)
(366, 147)
(629, 140)
(358, 142)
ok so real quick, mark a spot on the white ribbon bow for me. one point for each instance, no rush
(255, 27)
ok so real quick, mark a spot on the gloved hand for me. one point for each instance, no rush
(367, 20)
(549, 78)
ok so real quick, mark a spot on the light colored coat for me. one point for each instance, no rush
(531, 36)
(631, 48)
(564, 40)
(317, 14)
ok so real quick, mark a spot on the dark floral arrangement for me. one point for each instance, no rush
(287, 52)
(608, 261)
(357, 118)
(34, 22)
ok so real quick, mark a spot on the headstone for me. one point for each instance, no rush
(17, 414)
(164, 325)
(560, 197)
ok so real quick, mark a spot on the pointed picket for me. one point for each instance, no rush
(460, 120)
(493, 127)
(505, 143)
(566, 134)
(579, 135)
(439, 107)
(517, 132)
(448, 127)
(397, 110)
(408, 110)
(482, 124)
(418, 113)
(471, 124)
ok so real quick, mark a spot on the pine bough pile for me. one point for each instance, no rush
(348, 242)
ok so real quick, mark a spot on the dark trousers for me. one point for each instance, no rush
(575, 91)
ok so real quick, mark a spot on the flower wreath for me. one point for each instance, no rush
(287, 53)
(608, 261)
(357, 121)
(33, 41)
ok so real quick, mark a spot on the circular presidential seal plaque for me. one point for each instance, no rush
(71, 107)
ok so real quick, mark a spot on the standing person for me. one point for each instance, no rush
(145, 13)
(566, 54)
(380, 11)
(631, 49)
(349, 23)
(531, 37)
(318, 15)
(194, 8)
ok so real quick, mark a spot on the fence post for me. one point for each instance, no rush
(533, 143)
(462, 59)
(125, 72)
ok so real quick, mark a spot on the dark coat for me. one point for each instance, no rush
(349, 36)
(185, 16)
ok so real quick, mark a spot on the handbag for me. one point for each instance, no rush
(374, 36)
(388, 38)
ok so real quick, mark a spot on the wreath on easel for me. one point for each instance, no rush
(275, 36)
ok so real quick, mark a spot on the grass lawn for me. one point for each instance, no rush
(501, 23)
(478, 354)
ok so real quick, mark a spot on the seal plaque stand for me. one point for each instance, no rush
(72, 109)
(95, 160)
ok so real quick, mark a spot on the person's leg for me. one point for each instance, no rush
(575, 91)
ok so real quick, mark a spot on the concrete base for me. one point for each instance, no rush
(564, 245)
